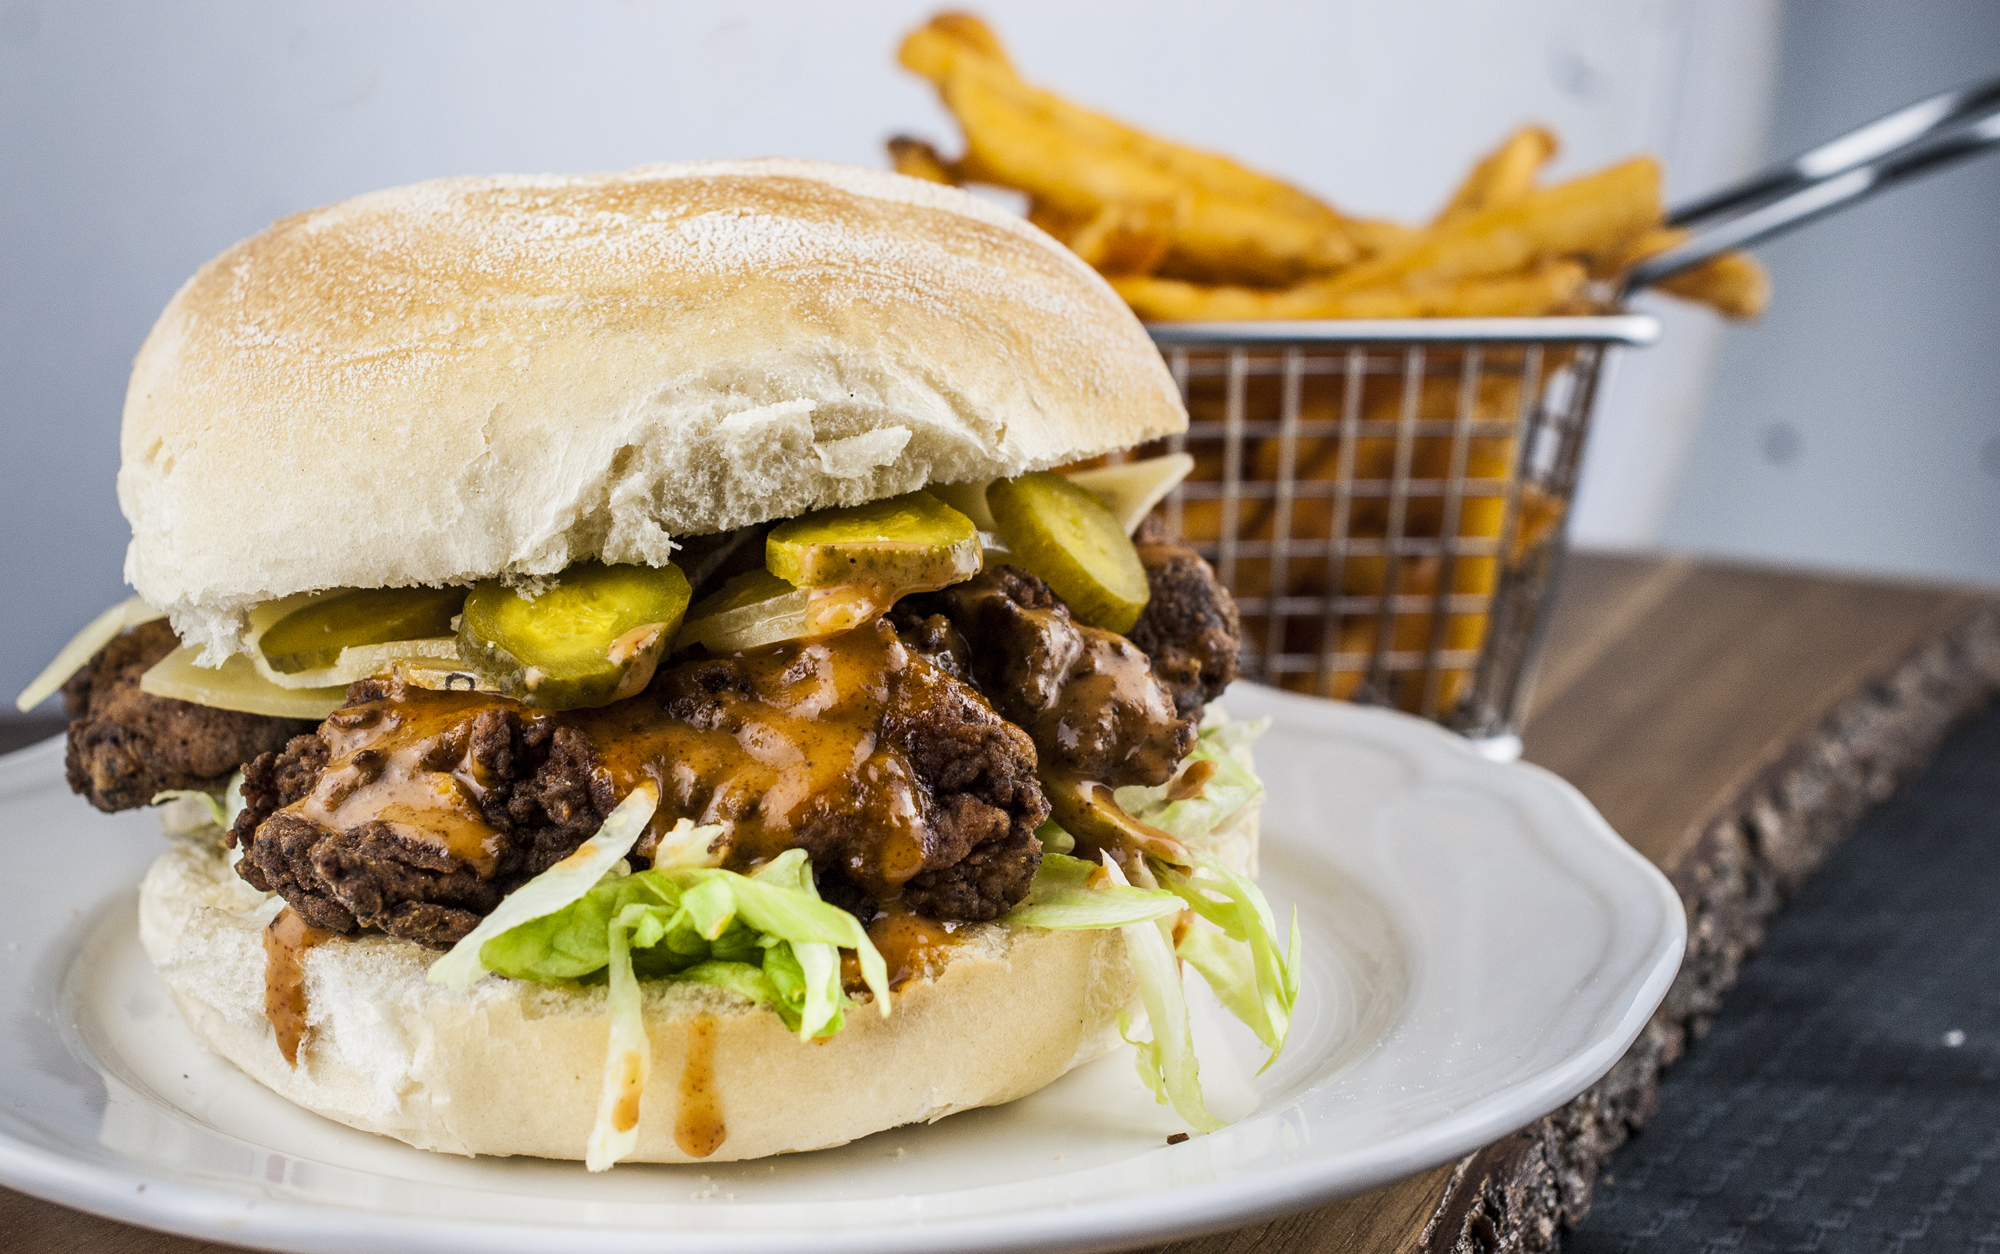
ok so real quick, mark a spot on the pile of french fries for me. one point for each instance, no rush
(1186, 235)
(1190, 235)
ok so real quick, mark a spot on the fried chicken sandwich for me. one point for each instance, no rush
(632, 684)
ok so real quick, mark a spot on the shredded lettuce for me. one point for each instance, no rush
(192, 809)
(766, 935)
(1166, 1063)
(1054, 839)
(1240, 957)
(1233, 785)
(1063, 895)
(1232, 941)
(554, 888)
(628, 1055)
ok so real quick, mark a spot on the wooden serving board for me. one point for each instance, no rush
(1733, 723)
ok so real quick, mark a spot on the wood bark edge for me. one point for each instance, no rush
(1520, 1193)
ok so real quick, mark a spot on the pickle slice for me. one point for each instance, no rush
(754, 609)
(1066, 534)
(912, 543)
(593, 636)
(312, 637)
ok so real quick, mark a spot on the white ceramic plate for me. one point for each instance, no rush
(1480, 947)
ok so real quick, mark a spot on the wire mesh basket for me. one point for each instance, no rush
(1388, 500)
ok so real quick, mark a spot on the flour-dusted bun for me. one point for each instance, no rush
(498, 376)
(509, 1067)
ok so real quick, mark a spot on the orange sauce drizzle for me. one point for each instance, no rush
(286, 941)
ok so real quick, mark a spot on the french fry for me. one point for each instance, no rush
(938, 48)
(919, 160)
(1503, 177)
(1734, 284)
(1408, 633)
(1228, 221)
(1377, 238)
(1583, 216)
(1175, 300)
(1542, 515)
(1124, 239)
(1626, 253)
(972, 31)
(1012, 140)
(925, 51)
(1538, 291)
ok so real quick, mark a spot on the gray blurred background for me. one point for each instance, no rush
(1857, 427)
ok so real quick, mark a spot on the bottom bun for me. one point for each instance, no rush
(509, 1067)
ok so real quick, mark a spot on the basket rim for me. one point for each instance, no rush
(1636, 330)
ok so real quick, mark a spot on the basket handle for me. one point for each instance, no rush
(1916, 139)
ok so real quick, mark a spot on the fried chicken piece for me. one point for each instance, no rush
(1189, 627)
(127, 746)
(538, 798)
(892, 775)
(940, 749)
(1088, 698)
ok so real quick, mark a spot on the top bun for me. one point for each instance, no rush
(487, 377)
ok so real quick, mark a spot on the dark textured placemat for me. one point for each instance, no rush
(1848, 1097)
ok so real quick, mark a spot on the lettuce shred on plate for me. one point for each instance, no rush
(768, 936)
(1232, 943)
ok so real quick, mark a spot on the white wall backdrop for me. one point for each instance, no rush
(1858, 425)
(137, 139)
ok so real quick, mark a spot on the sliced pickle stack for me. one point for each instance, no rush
(312, 638)
(1066, 534)
(593, 635)
(331, 639)
(833, 570)
(750, 611)
(910, 543)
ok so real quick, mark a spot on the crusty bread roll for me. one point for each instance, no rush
(509, 1067)
(479, 377)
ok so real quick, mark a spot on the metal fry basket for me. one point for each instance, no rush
(1388, 500)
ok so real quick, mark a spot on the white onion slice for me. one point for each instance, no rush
(362, 660)
(1132, 489)
(236, 685)
(750, 626)
(101, 631)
